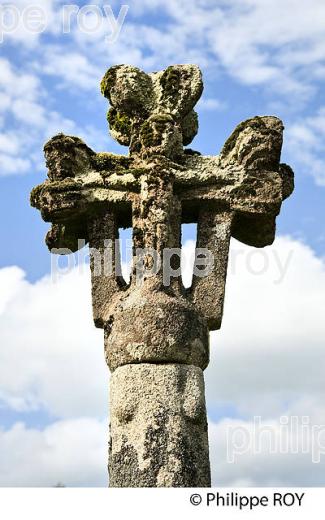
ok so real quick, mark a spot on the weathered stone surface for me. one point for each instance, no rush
(153, 113)
(159, 432)
(208, 292)
(66, 156)
(156, 332)
(254, 194)
(106, 274)
(150, 326)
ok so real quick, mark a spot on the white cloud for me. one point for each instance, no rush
(15, 85)
(275, 44)
(10, 281)
(28, 121)
(71, 452)
(212, 104)
(4, 102)
(73, 67)
(20, 30)
(9, 143)
(305, 144)
(10, 165)
(25, 119)
(269, 351)
(263, 459)
(50, 345)
(22, 96)
(261, 43)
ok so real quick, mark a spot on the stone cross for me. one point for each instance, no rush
(157, 334)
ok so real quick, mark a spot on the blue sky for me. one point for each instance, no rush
(258, 57)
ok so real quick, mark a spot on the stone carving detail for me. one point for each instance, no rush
(157, 334)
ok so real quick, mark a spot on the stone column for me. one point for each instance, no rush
(159, 433)
(157, 347)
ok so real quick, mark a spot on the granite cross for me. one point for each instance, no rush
(156, 333)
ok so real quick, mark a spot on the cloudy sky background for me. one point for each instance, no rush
(258, 57)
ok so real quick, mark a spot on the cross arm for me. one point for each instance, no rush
(81, 183)
(247, 179)
(236, 194)
(87, 197)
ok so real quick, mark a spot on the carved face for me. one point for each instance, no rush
(255, 143)
(153, 113)
(160, 135)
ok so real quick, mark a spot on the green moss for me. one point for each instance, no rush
(62, 142)
(147, 135)
(109, 161)
(108, 81)
(170, 81)
(68, 187)
(63, 185)
(35, 195)
(119, 122)
(152, 129)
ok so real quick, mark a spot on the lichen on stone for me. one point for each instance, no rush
(255, 143)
